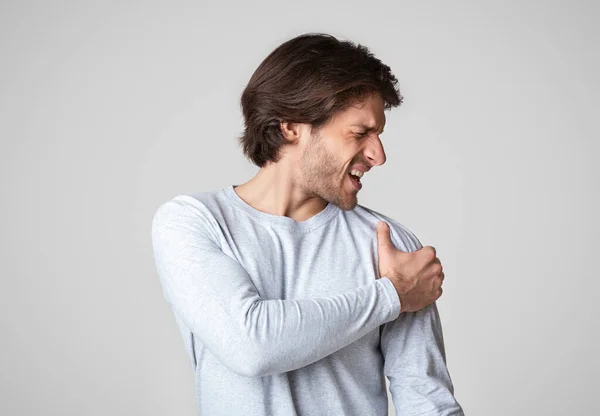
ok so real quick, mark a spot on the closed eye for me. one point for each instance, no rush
(360, 134)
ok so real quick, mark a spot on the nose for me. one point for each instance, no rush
(374, 151)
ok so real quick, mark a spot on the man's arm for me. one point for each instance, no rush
(218, 302)
(412, 346)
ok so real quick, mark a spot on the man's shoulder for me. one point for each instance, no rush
(402, 236)
(194, 208)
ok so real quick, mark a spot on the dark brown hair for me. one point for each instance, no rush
(308, 79)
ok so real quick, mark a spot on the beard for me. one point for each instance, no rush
(323, 175)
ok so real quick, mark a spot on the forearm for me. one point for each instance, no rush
(256, 337)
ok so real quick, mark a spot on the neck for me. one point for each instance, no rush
(275, 190)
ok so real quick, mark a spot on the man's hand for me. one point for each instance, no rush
(417, 276)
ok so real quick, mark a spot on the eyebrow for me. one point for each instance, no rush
(365, 127)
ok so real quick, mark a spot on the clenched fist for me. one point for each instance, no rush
(417, 276)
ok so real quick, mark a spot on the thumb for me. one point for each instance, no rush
(383, 236)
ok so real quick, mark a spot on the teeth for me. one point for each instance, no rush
(357, 173)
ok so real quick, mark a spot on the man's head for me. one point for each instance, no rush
(318, 103)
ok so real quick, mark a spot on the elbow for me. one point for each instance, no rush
(257, 354)
(250, 370)
(250, 362)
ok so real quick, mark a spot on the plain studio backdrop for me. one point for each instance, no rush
(108, 109)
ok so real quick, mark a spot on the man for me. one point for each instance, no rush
(289, 300)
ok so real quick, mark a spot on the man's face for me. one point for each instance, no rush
(350, 140)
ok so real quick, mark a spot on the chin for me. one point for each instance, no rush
(342, 198)
(347, 204)
(351, 206)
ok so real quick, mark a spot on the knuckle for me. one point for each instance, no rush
(429, 253)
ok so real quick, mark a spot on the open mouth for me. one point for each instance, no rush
(355, 179)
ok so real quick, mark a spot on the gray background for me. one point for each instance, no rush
(107, 110)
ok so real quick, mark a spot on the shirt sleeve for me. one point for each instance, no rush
(412, 346)
(216, 299)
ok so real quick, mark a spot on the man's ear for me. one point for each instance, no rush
(291, 131)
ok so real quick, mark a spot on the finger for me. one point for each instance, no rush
(383, 235)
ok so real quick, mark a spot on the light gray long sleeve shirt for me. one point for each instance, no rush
(283, 317)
